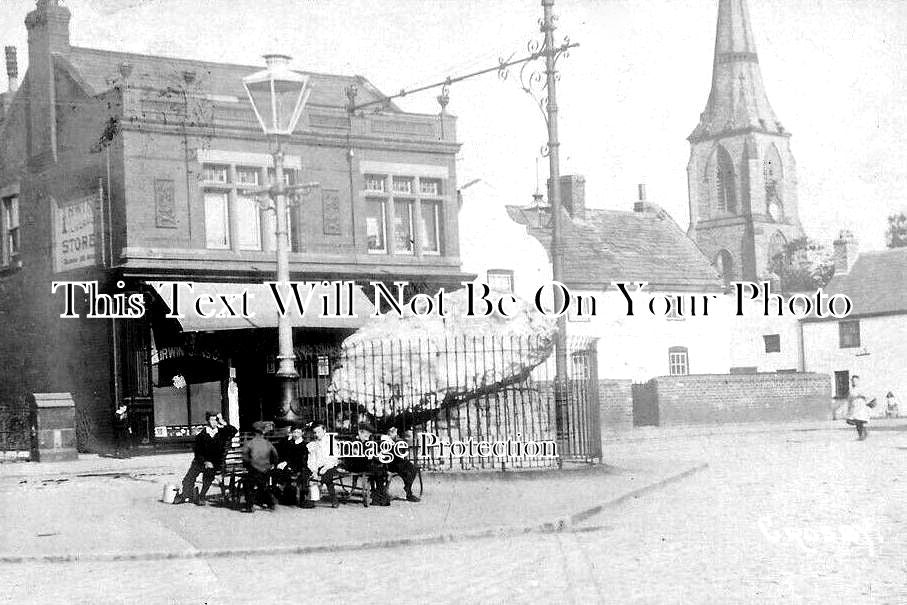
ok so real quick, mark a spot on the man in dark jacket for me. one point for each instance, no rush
(293, 468)
(377, 474)
(259, 457)
(122, 432)
(403, 467)
(208, 448)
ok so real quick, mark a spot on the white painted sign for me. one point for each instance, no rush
(75, 235)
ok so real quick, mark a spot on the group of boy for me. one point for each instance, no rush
(295, 463)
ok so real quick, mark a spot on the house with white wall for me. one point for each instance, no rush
(872, 341)
(507, 247)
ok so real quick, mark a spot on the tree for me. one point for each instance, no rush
(896, 235)
(804, 265)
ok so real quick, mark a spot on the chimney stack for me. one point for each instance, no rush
(846, 250)
(573, 194)
(48, 34)
(643, 204)
(12, 68)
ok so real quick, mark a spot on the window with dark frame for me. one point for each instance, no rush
(842, 384)
(772, 343)
(9, 222)
(849, 334)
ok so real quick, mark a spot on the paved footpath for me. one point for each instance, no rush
(788, 516)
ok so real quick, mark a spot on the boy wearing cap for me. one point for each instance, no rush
(209, 455)
(372, 466)
(322, 462)
(259, 457)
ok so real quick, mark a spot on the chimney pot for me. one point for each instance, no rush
(642, 192)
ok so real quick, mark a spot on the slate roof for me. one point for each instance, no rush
(96, 69)
(611, 245)
(876, 284)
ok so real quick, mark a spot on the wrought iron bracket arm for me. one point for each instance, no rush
(265, 196)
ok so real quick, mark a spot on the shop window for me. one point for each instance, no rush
(772, 343)
(185, 389)
(678, 361)
(848, 334)
(9, 222)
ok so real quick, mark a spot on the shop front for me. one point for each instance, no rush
(174, 370)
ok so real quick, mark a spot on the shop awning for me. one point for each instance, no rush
(209, 306)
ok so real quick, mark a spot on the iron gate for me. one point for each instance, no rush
(16, 423)
(467, 390)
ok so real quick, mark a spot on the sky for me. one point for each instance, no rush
(629, 95)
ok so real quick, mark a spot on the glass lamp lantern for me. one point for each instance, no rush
(278, 95)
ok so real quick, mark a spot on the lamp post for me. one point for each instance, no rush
(278, 95)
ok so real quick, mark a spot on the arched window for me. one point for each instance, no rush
(773, 175)
(724, 263)
(725, 190)
(778, 257)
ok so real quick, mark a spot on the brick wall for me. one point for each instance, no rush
(725, 398)
(615, 400)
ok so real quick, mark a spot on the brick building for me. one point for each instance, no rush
(129, 170)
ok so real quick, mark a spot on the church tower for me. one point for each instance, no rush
(742, 175)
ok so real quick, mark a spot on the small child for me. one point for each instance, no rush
(891, 406)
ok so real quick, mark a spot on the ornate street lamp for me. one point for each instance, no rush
(278, 96)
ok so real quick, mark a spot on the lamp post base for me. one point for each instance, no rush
(286, 415)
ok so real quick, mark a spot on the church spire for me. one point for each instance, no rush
(737, 101)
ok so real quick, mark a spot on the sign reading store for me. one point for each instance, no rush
(75, 233)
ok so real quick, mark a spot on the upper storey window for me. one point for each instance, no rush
(403, 214)
(9, 223)
(216, 173)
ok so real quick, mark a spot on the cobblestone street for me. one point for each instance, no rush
(779, 517)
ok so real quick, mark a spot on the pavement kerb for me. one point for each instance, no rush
(563, 524)
(577, 518)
